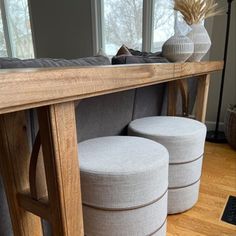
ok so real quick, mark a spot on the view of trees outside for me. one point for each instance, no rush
(163, 23)
(122, 24)
(3, 49)
(19, 28)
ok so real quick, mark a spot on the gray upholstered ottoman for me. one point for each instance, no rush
(184, 138)
(124, 186)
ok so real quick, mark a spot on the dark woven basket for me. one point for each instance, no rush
(230, 126)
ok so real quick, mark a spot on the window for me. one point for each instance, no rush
(163, 23)
(3, 48)
(122, 24)
(139, 24)
(15, 30)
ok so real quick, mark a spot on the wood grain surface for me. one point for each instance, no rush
(202, 97)
(14, 165)
(172, 98)
(59, 144)
(26, 88)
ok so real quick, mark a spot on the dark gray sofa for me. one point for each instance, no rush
(100, 116)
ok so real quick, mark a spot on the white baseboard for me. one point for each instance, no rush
(212, 124)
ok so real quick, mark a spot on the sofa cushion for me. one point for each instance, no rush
(49, 62)
(131, 56)
(148, 101)
(104, 115)
(123, 59)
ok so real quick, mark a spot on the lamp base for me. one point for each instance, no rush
(214, 137)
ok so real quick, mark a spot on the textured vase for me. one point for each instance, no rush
(201, 40)
(178, 48)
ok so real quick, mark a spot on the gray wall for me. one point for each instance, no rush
(217, 27)
(60, 28)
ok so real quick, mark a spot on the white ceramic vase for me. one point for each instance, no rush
(201, 40)
(178, 48)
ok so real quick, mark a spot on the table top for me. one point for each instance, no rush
(22, 89)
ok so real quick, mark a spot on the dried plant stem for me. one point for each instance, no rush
(194, 11)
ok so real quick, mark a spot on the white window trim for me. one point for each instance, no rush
(148, 10)
(32, 30)
(97, 25)
(97, 12)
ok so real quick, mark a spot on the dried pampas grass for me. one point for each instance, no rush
(194, 11)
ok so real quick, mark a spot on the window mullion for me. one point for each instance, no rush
(101, 25)
(148, 10)
(97, 24)
(6, 28)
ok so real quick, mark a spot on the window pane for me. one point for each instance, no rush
(163, 23)
(3, 49)
(19, 28)
(122, 24)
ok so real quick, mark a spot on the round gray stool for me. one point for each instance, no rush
(124, 183)
(184, 138)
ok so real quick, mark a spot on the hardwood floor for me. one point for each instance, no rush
(217, 183)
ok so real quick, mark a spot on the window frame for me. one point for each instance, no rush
(148, 14)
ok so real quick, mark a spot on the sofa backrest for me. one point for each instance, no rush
(109, 115)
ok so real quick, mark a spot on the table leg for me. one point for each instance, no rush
(202, 97)
(173, 88)
(59, 143)
(14, 165)
(184, 92)
(172, 98)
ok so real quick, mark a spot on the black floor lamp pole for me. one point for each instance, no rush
(217, 136)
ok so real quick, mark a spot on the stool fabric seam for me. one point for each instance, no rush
(187, 162)
(129, 208)
(158, 228)
(173, 188)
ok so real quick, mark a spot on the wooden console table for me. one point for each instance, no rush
(53, 92)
